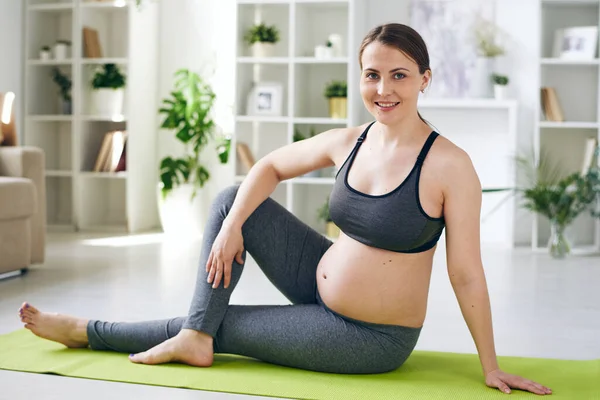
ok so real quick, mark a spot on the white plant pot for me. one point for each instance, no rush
(45, 55)
(263, 49)
(324, 52)
(481, 84)
(500, 92)
(180, 216)
(108, 102)
(61, 51)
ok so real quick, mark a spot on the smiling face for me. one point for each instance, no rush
(390, 83)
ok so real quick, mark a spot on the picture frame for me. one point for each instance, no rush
(265, 98)
(576, 43)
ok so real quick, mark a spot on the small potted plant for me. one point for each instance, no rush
(337, 93)
(262, 39)
(500, 84)
(108, 92)
(45, 54)
(331, 229)
(488, 47)
(64, 83)
(61, 49)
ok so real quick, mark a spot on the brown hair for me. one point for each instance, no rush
(403, 38)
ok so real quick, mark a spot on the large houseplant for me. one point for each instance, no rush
(108, 92)
(187, 113)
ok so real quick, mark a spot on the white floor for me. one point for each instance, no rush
(541, 307)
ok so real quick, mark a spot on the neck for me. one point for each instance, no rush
(404, 132)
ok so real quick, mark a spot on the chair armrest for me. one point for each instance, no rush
(29, 162)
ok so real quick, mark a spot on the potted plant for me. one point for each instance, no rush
(187, 113)
(337, 93)
(262, 38)
(108, 92)
(488, 48)
(45, 53)
(64, 83)
(61, 49)
(331, 229)
(500, 85)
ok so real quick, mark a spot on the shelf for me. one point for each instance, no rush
(263, 60)
(259, 118)
(58, 173)
(321, 2)
(561, 61)
(466, 103)
(570, 3)
(569, 125)
(108, 60)
(51, 7)
(50, 118)
(49, 62)
(104, 118)
(313, 60)
(117, 4)
(263, 2)
(104, 175)
(309, 120)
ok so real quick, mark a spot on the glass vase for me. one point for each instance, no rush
(559, 245)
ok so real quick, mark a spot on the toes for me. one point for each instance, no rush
(138, 358)
(29, 326)
(31, 308)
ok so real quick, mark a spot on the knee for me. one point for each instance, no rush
(224, 199)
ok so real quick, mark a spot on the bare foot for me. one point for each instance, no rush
(70, 331)
(188, 347)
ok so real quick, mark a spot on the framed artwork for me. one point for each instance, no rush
(576, 43)
(265, 98)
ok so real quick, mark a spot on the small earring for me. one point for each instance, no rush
(422, 90)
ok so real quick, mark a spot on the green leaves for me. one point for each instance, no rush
(262, 33)
(187, 112)
(336, 89)
(110, 77)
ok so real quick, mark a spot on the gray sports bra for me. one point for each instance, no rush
(393, 221)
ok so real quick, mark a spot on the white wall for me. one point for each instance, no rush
(199, 35)
(11, 28)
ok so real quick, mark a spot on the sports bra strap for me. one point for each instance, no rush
(363, 135)
(426, 147)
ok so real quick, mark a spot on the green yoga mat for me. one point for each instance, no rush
(426, 375)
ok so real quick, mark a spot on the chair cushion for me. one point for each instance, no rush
(17, 198)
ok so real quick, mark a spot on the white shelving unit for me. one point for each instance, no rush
(577, 85)
(78, 199)
(302, 25)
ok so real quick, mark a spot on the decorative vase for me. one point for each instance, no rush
(500, 92)
(263, 49)
(65, 106)
(61, 51)
(558, 244)
(108, 102)
(481, 84)
(331, 230)
(338, 107)
(180, 215)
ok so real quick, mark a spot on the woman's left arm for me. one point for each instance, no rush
(462, 208)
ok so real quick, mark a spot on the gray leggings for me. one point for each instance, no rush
(306, 334)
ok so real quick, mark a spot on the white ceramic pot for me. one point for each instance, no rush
(45, 55)
(180, 216)
(61, 51)
(107, 102)
(481, 84)
(500, 92)
(263, 49)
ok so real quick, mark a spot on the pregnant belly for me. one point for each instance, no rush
(375, 285)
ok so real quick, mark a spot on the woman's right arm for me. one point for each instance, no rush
(284, 163)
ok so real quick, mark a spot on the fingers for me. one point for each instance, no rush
(213, 270)
(239, 258)
(503, 387)
(209, 262)
(218, 274)
(526, 384)
(227, 274)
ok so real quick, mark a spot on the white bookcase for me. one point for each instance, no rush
(577, 85)
(77, 198)
(302, 25)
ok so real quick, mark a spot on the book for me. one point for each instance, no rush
(588, 155)
(245, 155)
(91, 43)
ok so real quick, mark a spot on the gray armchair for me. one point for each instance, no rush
(22, 208)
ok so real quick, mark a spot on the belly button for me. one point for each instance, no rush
(324, 276)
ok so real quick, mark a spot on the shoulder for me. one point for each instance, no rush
(452, 165)
(342, 140)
